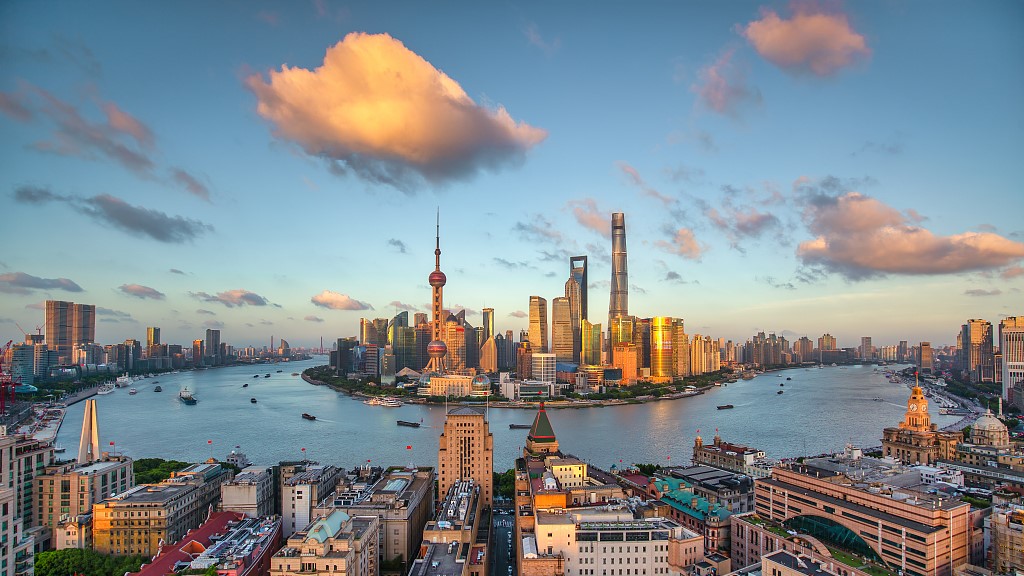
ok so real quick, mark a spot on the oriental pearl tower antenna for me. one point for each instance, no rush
(436, 349)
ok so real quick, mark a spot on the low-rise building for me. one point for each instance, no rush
(732, 457)
(733, 490)
(66, 492)
(335, 545)
(450, 545)
(692, 511)
(303, 491)
(250, 492)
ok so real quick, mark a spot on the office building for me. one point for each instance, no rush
(453, 542)
(213, 346)
(977, 363)
(489, 355)
(562, 334)
(466, 452)
(67, 324)
(866, 351)
(575, 320)
(578, 272)
(925, 360)
(488, 324)
(618, 303)
(624, 357)
(538, 324)
(335, 545)
(152, 336)
(916, 440)
(455, 344)
(591, 336)
(543, 367)
(1011, 346)
(302, 490)
(66, 492)
(250, 492)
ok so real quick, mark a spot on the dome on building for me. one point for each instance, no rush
(437, 278)
(481, 380)
(437, 349)
(989, 431)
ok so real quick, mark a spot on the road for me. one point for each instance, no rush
(503, 547)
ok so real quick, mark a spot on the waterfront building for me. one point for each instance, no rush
(466, 452)
(543, 367)
(22, 363)
(591, 337)
(734, 490)
(335, 545)
(541, 440)
(977, 363)
(67, 324)
(436, 348)
(912, 531)
(562, 330)
(538, 324)
(455, 343)
(152, 336)
(452, 543)
(916, 440)
(866, 351)
(451, 385)
(228, 542)
(404, 346)
(925, 361)
(198, 354)
(489, 355)
(1011, 346)
(662, 352)
(403, 499)
(302, 491)
(804, 349)
(624, 357)
(66, 492)
(618, 302)
(250, 492)
(697, 513)
(729, 456)
(827, 343)
(213, 351)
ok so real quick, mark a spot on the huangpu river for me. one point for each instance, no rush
(821, 410)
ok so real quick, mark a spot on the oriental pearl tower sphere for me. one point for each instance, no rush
(437, 349)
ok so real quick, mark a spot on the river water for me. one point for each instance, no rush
(820, 411)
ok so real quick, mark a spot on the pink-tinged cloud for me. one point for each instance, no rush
(533, 36)
(190, 183)
(22, 283)
(336, 301)
(232, 298)
(312, 318)
(589, 216)
(1012, 272)
(722, 87)
(401, 305)
(860, 237)
(384, 112)
(518, 314)
(125, 123)
(636, 180)
(13, 106)
(683, 243)
(142, 292)
(812, 41)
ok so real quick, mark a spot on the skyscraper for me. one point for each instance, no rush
(538, 324)
(83, 324)
(488, 324)
(572, 297)
(68, 324)
(466, 451)
(976, 355)
(578, 300)
(213, 345)
(437, 349)
(152, 336)
(1011, 345)
(578, 272)
(867, 350)
(562, 337)
(591, 340)
(618, 304)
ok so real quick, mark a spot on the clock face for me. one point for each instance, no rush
(913, 407)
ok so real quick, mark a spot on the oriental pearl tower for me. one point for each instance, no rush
(437, 349)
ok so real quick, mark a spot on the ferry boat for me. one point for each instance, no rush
(308, 416)
(725, 406)
(255, 375)
(187, 397)
(520, 426)
(123, 380)
(409, 424)
(133, 391)
(105, 389)
(385, 401)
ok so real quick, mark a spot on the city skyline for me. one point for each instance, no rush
(825, 186)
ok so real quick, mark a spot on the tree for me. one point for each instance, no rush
(73, 561)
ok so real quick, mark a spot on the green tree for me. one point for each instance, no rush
(74, 561)
(505, 483)
(153, 470)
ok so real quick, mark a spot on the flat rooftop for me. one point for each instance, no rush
(800, 564)
(98, 467)
(156, 493)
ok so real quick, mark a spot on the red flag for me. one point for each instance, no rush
(209, 441)
(620, 459)
(408, 447)
(367, 459)
(668, 457)
(111, 442)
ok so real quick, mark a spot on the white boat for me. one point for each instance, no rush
(386, 401)
(123, 380)
(105, 389)
(133, 391)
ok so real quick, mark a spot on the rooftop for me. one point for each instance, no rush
(195, 542)
(153, 493)
(801, 564)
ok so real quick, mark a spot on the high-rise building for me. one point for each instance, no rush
(83, 324)
(562, 337)
(455, 344)
(466, 452)
(538, 324)
(618, 303)
(488, 324)
(419, 318)
(622, 331)
(591, 342)
(198, 353)
(152, 336)
(578, 272)
(976, 355)
(68, 324)
(804, 349)
(1011, 346)
(489, 355)
(866, 350)
(437, 349)
(662, 358)
(827, 342)
(213, 345)
(367, 332)
(404, 346)
(574, 293)
(925, 359)
(543, 368)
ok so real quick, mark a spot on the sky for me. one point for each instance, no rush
(274, 169)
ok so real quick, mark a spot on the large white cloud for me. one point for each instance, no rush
(336, 301)
(813, 40)
(383, 111)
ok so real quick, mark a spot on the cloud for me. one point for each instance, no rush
(190, 183)
(532, 33)
(860, 237)
(336, 301)
(539, 230)
(125, 123)
(741, 223)
(981, 292)
(683, 243)
(214, 324)
(206, 312)
(637, 289)
(311, 318)
(14, 106)
(636, 180)
(266, 323)
(115, 212)
(397, 245)
(402, 305)
(232, 298)
(771, 281)
(176, 271)
(22, 283)
(518, 314)
(269, 16)
(35, 306)
(812, 41)
(1012, 272)
(512, 265)
(469, 311)
(116, 314)
(587, 214)
(379, 109)
(722, 87)
(140, 291)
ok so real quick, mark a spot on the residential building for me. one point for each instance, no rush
(66, 492)
(976, 354)
(17, 556)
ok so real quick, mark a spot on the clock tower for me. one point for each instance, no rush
(917, 417)
(916, 440)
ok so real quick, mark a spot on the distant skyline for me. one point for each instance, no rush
(274, 169)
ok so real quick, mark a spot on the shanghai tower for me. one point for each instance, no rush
(618, 304)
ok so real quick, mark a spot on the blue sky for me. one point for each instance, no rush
(799, 168)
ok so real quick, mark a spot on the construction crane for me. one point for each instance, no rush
(7, 381)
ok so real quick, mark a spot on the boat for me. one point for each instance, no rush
(253, 400)
(788, 378)
(780, 391)
(308, 416)
(279, 371)
(295, 373)
(520, 426)
(123, 380)
(877, 399)
(246, 385)
(59, 449)
(725, 406)
(386, 401)
(782, 383)
(267, 375)
(158, 389)
(133, 391)
(255, 375)
(187, 397)
(409, 424)
(105, 389)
